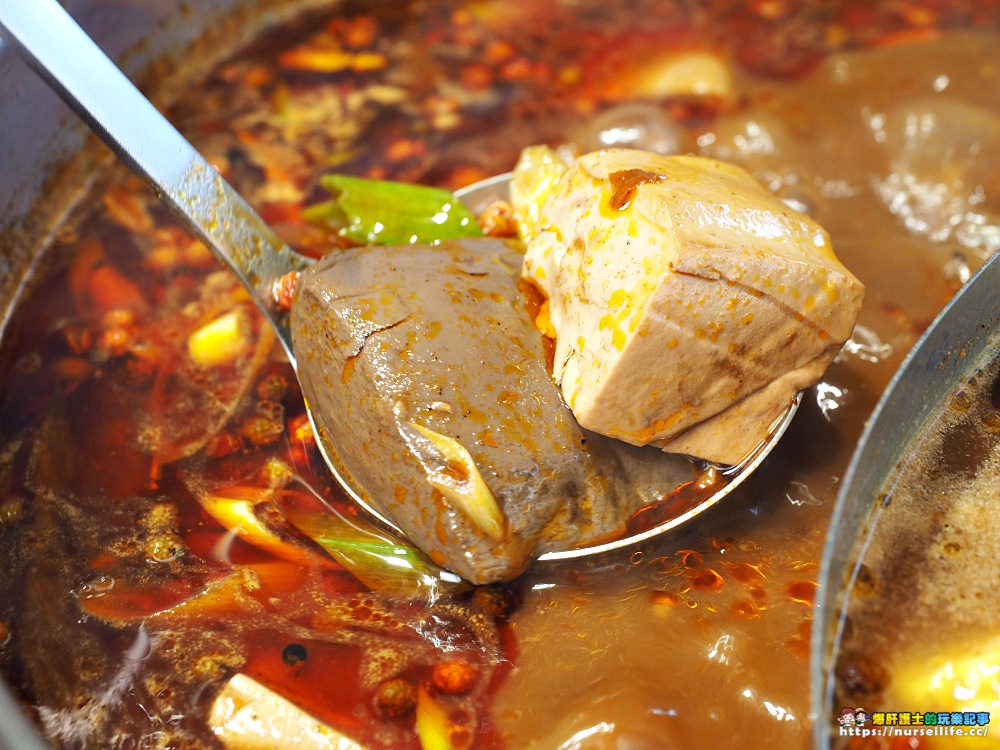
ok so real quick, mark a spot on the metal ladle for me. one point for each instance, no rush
(962, 338)
(62, 54)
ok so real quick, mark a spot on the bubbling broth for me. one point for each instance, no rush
(165, 518)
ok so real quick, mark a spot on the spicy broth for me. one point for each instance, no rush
(695, 640)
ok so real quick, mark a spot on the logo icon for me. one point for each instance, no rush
(857, 722)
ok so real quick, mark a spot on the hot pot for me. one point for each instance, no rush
(46, 154)
(47, 164)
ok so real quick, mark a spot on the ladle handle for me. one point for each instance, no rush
(69, 61)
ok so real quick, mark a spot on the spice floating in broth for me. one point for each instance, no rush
(378, 212)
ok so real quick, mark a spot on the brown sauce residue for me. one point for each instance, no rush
(626, 182)
(534, 299)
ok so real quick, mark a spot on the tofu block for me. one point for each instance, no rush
(248, 716)
(688, 304)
